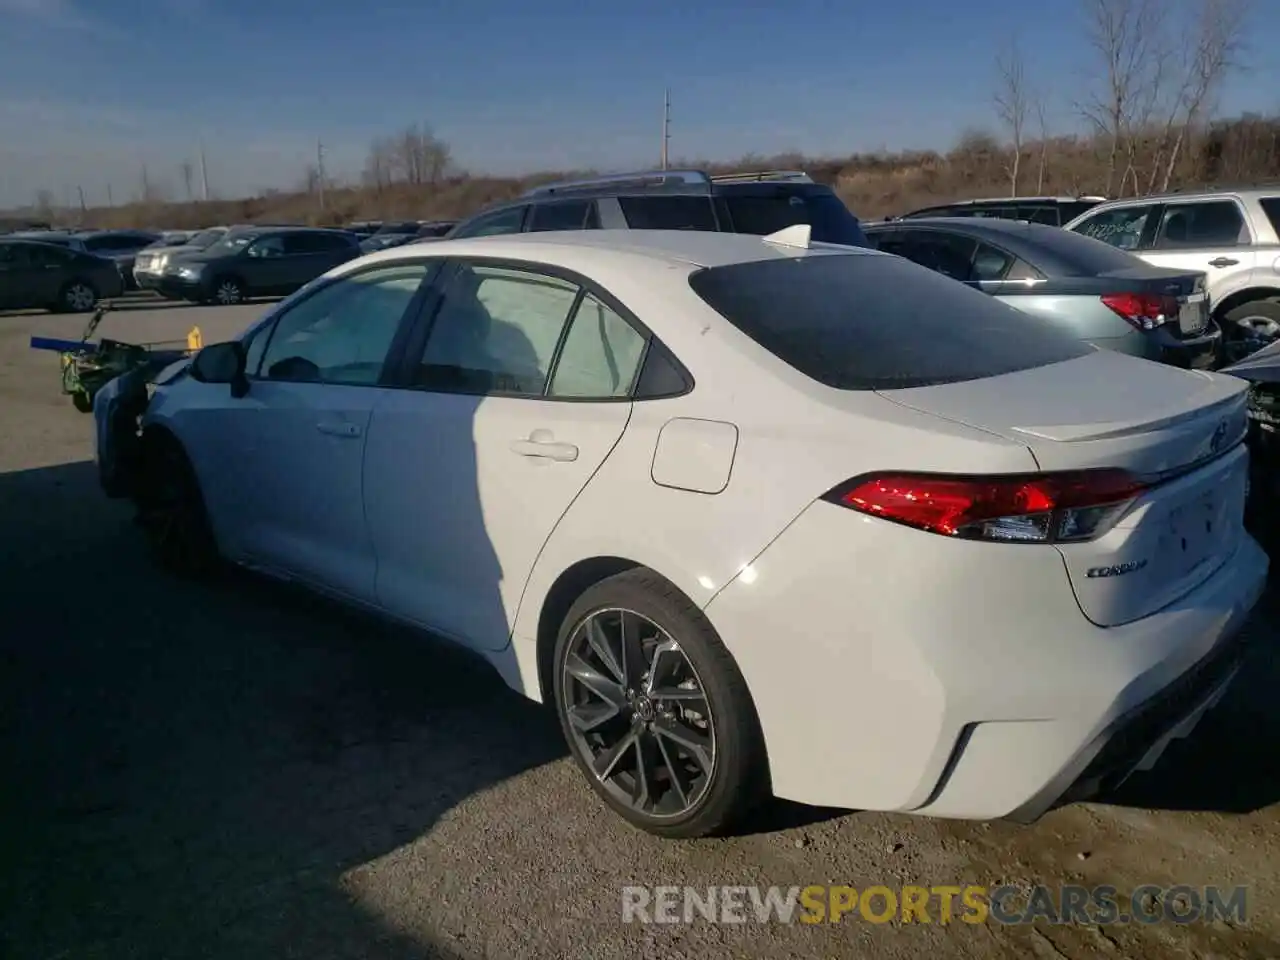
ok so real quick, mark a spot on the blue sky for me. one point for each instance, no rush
(90, 90)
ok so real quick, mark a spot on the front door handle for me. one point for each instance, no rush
(1223, 262)
(339, 429)
(541, 445)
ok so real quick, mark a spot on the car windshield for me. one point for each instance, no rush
(232, 243)
(206, 238)
(872, 322)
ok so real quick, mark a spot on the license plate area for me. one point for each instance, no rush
(1193, 533)
(1193, 313)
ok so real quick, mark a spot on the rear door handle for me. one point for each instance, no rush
(545, 449)
(339, 429)
(1223, 262)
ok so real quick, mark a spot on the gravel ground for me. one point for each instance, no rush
(239, 771)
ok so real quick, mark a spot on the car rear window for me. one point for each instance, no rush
(872, 322)
(1083, 256)
(668, 213)
(829, 219)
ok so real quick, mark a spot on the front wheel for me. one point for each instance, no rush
(227, 292)
(171, 510)
(655, 711)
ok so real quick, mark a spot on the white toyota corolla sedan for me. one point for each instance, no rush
(755, 515)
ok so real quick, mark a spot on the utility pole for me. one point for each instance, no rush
(204, 176)
(84, 208)
(110, 201)
(146, 185)
(666, 125)
(320, 171)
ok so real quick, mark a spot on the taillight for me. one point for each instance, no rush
(1027, 508)
(1145, 311)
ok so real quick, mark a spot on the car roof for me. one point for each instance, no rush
(700, 248)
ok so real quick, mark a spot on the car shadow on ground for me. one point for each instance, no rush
(191, 770)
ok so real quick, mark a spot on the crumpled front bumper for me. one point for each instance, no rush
(117, 444)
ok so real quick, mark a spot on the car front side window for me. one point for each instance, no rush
(1122, 227)
(343, 332)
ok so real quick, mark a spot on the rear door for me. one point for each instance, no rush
(1209, 236)
(38, 273)
(516, 393)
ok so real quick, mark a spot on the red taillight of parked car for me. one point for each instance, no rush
(1145, 311)
(1039, 508)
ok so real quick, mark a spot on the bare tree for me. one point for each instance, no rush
(1042, 128)
(1209, 47)
(380, 164)
(1125, 35)
(311, 182)
(188, 175)
(420, 156)
(45, 205)
(1012, 105)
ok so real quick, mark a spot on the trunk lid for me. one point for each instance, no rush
(1183, 429)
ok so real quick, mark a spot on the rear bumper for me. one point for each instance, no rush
(1202, 352)
(958, 678)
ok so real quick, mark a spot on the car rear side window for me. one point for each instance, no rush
(1271, 207)
(564, 215)
(668, 213)
(870, 322)
(829, 219)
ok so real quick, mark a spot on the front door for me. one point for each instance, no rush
(300, 454)
(476, 462)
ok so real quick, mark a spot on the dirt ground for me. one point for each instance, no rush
(239, 771)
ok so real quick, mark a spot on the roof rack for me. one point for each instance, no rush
(757, 176)
(647, 180)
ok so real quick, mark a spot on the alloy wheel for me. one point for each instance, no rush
(80, 297)
(227, 293)
(638, 713)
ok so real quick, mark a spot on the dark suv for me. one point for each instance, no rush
(1053, 211)
(257, 262)
(757, 203)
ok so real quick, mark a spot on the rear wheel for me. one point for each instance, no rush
(171, 510)
(1250, 326)
(78, 296)
(655, 711)
(227, 292)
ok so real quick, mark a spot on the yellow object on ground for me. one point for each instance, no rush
(194, 339)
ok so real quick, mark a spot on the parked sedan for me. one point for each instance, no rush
(122, 246)
(753, 514)
(1088, 288)
(257, 262)
(50, 277)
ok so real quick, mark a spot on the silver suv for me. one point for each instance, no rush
(1232, 236)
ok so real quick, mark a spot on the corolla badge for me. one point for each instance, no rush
(1219, 437)
(1115, 570)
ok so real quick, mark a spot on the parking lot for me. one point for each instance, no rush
(239, 771)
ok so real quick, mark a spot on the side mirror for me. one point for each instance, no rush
(222, 363)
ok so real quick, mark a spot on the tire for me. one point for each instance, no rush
(228, 292)
(78, 296)
(1250, 326)
(722, 728)
(171, 511)
(82, 401)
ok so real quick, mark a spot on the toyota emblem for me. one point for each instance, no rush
(1219, 437)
